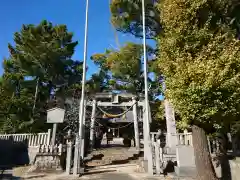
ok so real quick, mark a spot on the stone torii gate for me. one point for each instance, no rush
(138, 107)
(116, 100)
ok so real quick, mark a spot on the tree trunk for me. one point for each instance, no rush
(205, 169)
(223, 157)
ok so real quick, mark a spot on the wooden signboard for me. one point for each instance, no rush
(55, 115)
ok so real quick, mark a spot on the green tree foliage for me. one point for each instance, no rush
(40, 57)
(199, 56)
(47, 49)
(125, 71)
(98, 83)
(127, 17)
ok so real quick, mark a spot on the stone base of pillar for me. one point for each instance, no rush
(81, 170)
(190, 172)
(171, 150)
(145, 165)
(47, 163)
(172, 143)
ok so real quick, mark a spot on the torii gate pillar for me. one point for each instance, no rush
(136, 127)
(92, 125)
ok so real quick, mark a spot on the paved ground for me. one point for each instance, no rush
(117, 172)
(8, 174)
(102, 176)
(107, 175)
(108, 172)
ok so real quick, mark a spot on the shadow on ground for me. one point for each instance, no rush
(98, 172)
(8, 176)
(12, 154)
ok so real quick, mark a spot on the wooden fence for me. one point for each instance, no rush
(183, 138)
(32, 139)
(186, 139)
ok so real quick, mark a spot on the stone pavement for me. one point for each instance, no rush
(101, 176)
(116, 172)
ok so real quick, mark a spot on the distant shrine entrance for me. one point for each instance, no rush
(113, 128)
(115, 117)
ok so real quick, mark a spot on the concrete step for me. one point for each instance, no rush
(111, 156)
(118, 157)
(98, 163)
(169, 157)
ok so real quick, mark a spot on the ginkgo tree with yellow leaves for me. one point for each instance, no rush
(199, 55)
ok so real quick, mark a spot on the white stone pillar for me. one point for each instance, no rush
(69, 157)
(92, 126)
(54, 132)
(145, 135)
(146, 138)
(171, 125)
(135, 119)
(48, 136)
(76, 162)
(84, 131)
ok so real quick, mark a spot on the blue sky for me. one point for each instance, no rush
(14, 13)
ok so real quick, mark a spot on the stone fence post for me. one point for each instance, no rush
(69, 157)
(48, 136)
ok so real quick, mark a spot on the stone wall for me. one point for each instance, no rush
(32, 152)
(47, 163)
(13, 153)
(235, 169)
(186, 163)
